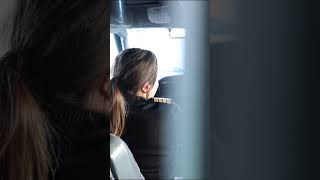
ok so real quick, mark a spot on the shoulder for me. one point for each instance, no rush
(166, 103)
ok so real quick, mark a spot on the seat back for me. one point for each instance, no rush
(122, 162)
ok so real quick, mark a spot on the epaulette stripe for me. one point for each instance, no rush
(163, 100)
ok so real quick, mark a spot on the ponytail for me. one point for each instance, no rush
(118, 109)
(24, 150)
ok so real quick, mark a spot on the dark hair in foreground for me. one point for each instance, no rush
(59, 55)
(133, 68)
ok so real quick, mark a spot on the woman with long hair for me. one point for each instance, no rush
(149, 120)
(56, 103)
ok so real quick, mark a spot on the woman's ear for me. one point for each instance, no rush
(146, 87)
(96, 100)
(104, 85)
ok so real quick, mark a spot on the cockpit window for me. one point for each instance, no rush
(168, 46)
(113, 48)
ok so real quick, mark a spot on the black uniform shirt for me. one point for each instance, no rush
(147, 129)
(81, 144)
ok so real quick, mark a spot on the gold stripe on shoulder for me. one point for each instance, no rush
(163, 100)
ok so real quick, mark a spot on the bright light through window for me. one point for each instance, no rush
(169, 50)
(113, 50)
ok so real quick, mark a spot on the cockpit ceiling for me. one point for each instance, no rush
(142, 2)
(142, 13)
